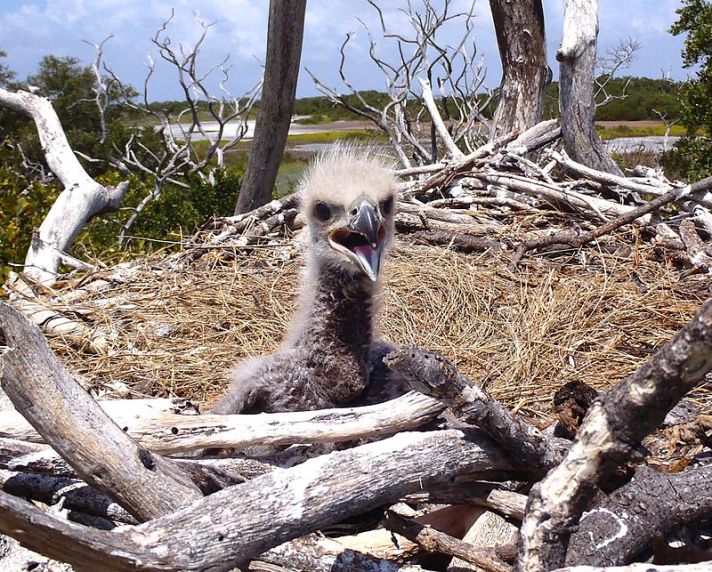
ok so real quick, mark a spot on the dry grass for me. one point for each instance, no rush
(522, 334)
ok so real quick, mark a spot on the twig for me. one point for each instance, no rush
(435, 541)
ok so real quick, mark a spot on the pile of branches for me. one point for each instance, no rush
(518, 194)
(444, 470)
(444, 477)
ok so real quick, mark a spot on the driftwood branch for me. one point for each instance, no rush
(319, 554)
(81, 199)
(577, 240)
(440, 127)
(613, 426)
(74, 424)
(239, 523)
(157, 429)
(432, 374)
(435, 541)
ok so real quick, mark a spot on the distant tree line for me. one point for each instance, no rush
(634, 99)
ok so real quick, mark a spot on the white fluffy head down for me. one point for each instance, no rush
(348, 196)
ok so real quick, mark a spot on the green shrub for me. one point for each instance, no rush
(23, 205)
(690, 159)
(179, 211)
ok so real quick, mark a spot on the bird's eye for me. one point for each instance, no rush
(322, 211)
(387, 205)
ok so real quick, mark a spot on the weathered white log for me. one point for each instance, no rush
(376, 550)
(507, 503)
(319, 554)
(489, 531)
(94, 339)
(153, 426)
(419, 170)
(438, 122)
(613, 426)
(703, 197)
(535, 137)
(81, 199)
(124, 412)
(73, 423)
(578, 201)
(577, 61)
(239, 523)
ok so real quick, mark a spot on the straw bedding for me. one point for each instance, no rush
(589, 316)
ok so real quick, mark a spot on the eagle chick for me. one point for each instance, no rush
(348, 197)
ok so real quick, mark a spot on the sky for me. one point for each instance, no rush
(30, 29)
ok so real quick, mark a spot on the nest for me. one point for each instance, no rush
(590, 316)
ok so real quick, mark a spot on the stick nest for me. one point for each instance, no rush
(590, 316)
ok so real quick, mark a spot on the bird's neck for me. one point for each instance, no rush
(337, 310)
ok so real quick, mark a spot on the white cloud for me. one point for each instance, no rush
(32, 28)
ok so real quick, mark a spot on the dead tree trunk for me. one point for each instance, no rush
(525, 75)
(81, 199)
(577, 59)
(284, 49)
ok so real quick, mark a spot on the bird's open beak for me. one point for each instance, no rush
(363, 239)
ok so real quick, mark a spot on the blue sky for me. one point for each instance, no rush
(30, 29)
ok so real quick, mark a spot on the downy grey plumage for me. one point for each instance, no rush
(348, 197)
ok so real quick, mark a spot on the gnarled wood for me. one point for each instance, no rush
(241, 522)
(73, 423)
(613, 426)
(434, 375)
(81, 199)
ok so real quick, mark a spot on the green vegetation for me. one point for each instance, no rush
(615, 131)
(643, 97)
(26, 195)
(6, 74)
(24, 202)
(331, 136)
(692, 157)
